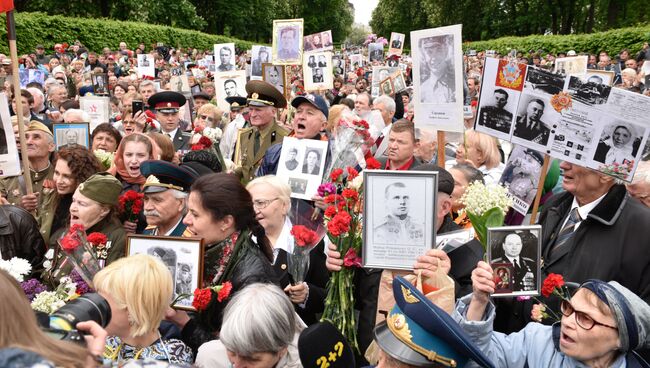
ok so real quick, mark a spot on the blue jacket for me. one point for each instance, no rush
(536, 345)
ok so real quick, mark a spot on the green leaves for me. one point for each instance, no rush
(491, 218)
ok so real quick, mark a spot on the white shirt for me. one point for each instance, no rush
(285, 240)
(229, 138)
(171, 134)
(584, 210)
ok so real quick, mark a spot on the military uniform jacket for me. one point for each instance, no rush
(181, 140)
(538, 133)
(526, 265)
(179, 230)
(251, 160)
(13, 188)
(392, 230)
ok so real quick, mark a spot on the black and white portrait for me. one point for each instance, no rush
(521, 176)
(229, 84)
(274, 75)
(375, 52)
(396, 43)
(386, 87)
(619, 143)
(71, 134)
(225, 57)
(530, 124)
(287, 41)
(298, 186)
(317, 71)
(260, 56)
(493, 113)
(143, 61)
(291, 163)
(311, 163)
(100, 84)
(4, 147)
(326, 39)
(540, 81)
(592, 91)
(356, 61)
(517, 248)
(338, 65)
(398, 82)
(437, 72)
(317, 76)
(183, 257)
(379, 74)
(398, 221)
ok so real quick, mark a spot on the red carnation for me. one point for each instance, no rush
(199, 129)
(130, 204)
(552, 282)
(303, 235)
(333, 198)
(330, 211)
(336, 173)
(97, 238)
(74, 228)
(69, 243)
(372, 163)
(339, 224)
(224, 293)
(351, 259)
(351, 194)
(352, 173)
(202, 298)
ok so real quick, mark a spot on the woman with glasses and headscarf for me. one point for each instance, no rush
(601, 326)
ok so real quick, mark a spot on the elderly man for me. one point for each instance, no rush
(76, 116)
(167, 104)
(263, 102)
(363, 109)
(40, 144)
(308, 122)
(165, 197)
(594, 230)
(147, 89)
(386, 107)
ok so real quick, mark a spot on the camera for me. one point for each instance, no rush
(88, 307)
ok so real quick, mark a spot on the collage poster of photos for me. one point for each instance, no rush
(575, 118)
(317, 71)
(302, 164)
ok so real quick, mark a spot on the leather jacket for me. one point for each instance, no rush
(20, 236)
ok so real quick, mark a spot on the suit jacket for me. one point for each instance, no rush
(181, 140)
(315, 171)
(316, 278)
(538, 133)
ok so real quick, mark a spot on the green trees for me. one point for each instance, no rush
(487, 19)
(244, 19)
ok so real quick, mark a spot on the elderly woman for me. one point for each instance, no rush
(105, 137)
(272, 203)
(618, 147)
(72, 166)
(221, 211)
(481, 151)
(601, 326)
(94, 204)
(139, 290)
(259, 330)
(209, 116)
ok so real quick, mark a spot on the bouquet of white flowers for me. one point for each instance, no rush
(16, 267)
(486, 206)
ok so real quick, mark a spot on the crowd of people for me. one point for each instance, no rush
(208, 173)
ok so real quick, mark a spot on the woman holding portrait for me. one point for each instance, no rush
(221, 211)
(601, 326)
(272, 203)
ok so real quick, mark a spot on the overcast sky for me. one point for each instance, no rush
(363, 10)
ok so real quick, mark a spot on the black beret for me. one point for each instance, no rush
(445, 180)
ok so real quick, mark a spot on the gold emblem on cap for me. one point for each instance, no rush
(234, 104)
(152, 180)
(81, 186)
(254, 96)
(169, 104)
(408, 296)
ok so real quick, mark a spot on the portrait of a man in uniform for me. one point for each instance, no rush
(437, 82)
(496, 116)
(399, 227)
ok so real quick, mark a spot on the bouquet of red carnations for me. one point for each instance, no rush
(130, 205)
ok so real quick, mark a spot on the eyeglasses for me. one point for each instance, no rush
(205, 117)
(128, 122)
(582, 319)
(261, 204)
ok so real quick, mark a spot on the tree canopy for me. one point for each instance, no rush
(488, 19)
(245, 19)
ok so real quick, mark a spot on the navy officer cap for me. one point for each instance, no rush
(163, 175)
(419, 333)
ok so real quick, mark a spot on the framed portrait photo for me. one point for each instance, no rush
(275, 76)
(386, 87)
(514, 253)
(9, 162)
(71, 134)
(287, 41)
(225, 57)
(317, 71)
(399, 224)
(260, 55)
(182, 256)
(229, 84)
(396, 43)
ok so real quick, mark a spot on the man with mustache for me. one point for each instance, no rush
(165, 197)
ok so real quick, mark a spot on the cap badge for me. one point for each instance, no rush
(408, 297)
(152, 180)
(234, 104)
(254, 96)
(169, 104)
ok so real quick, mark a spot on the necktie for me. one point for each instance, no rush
(568, 230)
(256, 144)
(516, 264)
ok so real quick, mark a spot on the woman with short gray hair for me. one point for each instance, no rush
(259, 329)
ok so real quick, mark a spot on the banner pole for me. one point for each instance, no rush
(441, 149)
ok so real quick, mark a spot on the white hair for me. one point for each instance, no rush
(259, 318)
(37, 93)
(76, 116)
(278, 185)
(388, 102)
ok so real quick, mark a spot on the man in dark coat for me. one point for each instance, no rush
(20, 236)
(609, 242)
